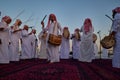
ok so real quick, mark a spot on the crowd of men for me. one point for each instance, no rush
(12, 37)
(83, 46)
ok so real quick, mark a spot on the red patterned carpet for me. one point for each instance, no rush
(37, 69)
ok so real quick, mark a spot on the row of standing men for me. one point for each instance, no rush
(11, 38)
(83, 46)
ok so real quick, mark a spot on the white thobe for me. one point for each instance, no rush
(104, 54)
(33, 39)
(65, 48)
(75, 48)
(53, 50)
(42, 54)
(86, 46)
(96, 51)
(26, 46)
(116, 48)
(4, 36)
(14, 46)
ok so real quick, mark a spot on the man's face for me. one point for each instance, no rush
(7, 19)
(18, 22)
(26, 27)
(34, 31)
(52, 17)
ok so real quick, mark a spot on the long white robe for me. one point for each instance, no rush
(26, 46)
(34, 43)
(53, 50)
(43, 53)
(116, 48)
(104, 54)
(96, 51)
(65, 48)
(75, 48)
(86, 46)
(4, 36)
(14, 46)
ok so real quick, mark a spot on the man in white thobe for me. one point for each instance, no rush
(26, 44)
(65, 45)
(43, 48)
(4, 39)
(65, 48)
(34, 43)
(15, 37)
(75, 44)
(86, 45)
(116, 34)
(53, 27)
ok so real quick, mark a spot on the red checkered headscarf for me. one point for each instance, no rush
(51, 16)
(117, 10)
(87, 25)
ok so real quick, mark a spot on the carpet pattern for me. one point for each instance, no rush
(39, 69)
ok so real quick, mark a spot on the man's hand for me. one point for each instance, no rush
(42, 23)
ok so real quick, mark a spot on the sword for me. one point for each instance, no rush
(44, 18)
(0, 13)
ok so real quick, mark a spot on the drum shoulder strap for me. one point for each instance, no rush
(55, 25)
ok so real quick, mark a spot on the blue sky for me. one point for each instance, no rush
(69, 13)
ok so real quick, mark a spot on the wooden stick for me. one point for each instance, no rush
(18, 15)
(109, 17)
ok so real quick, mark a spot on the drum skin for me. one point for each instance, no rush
(55, 39)
(107, 42)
